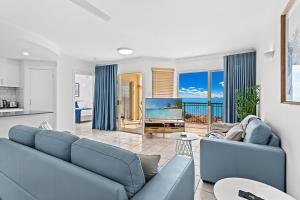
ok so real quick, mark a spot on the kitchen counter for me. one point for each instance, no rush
(32, 118)
(10, 109)
(24, 112)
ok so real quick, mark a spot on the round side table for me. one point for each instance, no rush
(184, 143)
(228, 189)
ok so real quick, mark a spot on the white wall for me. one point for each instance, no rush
(283, 118)
(144, 66)
(66, 70)
(201, 63)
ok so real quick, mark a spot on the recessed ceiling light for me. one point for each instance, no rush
(125, 51)
(25, 53)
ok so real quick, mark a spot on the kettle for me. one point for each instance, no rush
(13, 104)
(4, 102)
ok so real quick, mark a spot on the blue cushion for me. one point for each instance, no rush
(112, 162)
(23, 134)
(55, 143)
(257, 132)
(274, 140)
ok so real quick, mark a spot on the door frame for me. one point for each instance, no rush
(142, 101)
(209, 79)
(79, 72)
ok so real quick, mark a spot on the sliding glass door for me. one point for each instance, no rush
(202, 94)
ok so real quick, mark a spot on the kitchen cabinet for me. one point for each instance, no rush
(9, 73)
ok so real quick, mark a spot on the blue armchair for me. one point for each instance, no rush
(221, 158)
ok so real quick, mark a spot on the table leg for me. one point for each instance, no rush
(184, 148)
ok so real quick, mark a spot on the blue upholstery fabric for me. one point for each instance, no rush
(112, 162)
(23, 134)
(47, 178)
(55, 143)
(105, 98)
(29, 174)
(257, 132)
(274, 140)
(224, 158)
(239, 75)
(77, 113)
(174, 182)
(9, 190)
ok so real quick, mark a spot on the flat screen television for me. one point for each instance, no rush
(163, 109)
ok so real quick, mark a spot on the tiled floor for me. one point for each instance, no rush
(149, 145)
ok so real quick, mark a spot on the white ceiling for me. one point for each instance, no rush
(155, 28)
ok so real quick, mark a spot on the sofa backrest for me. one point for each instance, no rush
(274, 140)
(46, 177)
(109, 161)
(55, 143)
(23, 134)
(258, 132)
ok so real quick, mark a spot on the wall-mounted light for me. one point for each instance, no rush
(270, 53)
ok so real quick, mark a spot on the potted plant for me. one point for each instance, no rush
(246, 102)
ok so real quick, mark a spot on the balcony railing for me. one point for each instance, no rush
(197, 113)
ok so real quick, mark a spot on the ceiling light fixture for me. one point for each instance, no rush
(25, 53)
(125, 51)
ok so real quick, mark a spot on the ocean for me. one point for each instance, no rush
(203, 100)
(217, 110)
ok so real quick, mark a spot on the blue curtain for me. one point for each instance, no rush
(105, 98)
(239, 74)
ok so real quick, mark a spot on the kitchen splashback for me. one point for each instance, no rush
(9, 93)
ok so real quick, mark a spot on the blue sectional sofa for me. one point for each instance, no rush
(39, 164)
(259, 157)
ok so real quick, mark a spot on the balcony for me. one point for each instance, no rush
(196, 116)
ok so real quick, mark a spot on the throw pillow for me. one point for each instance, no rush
(235, 133)
(221, 127)
(45, 126)
(149, 165)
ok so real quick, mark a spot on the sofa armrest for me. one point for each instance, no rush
(175, 181)
(223, 158)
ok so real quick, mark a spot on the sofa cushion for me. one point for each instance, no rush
(112, 162)
(274, 140)
(149, 165)
(55, 143)
(23, 134)
(257, 132)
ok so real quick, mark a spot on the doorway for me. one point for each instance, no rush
(83, 99)
(202, 96)
(130, 103)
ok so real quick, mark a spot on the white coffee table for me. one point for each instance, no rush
(184, 143)
(228, 189)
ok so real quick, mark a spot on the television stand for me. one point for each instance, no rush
(164, 126)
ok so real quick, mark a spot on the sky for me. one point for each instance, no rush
(195, 85)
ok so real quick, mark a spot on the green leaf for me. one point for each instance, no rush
(246, 101)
